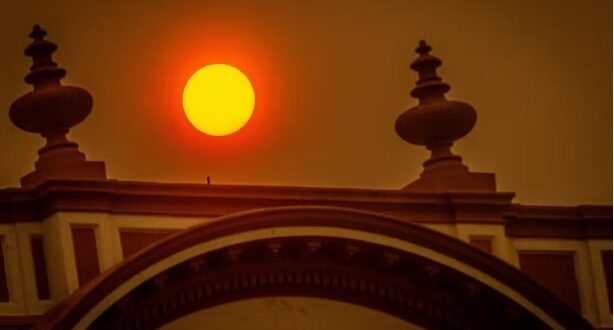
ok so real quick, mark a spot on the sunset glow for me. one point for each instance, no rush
(218, 99)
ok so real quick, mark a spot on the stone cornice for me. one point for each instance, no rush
(580, 222)
(125, 197)
(201, 200)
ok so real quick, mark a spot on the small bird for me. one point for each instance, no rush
(208, 180)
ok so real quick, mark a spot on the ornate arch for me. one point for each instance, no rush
(382, 263)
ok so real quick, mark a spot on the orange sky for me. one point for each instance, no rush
(331, 77)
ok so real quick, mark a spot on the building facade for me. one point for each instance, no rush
(448, 250)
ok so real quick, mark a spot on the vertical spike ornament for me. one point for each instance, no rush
(51, 109)
(436, 123)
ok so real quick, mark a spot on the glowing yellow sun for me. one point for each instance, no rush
(218, 99)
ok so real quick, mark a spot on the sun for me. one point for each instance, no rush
(218, 99)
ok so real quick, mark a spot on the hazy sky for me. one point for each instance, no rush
(330, 77)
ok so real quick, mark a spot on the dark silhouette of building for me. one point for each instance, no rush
(446, 251)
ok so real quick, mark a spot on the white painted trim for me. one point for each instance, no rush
(25, 232)
(14, 279)
(601, 290)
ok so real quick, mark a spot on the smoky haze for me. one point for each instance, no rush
(330, 79)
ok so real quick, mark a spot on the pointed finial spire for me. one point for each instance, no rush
(422, 49)
(436, 123)
(37, 33)
(44, 71)
(51, 109)
(429, 86)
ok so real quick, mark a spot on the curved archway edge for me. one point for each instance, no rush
(98, 296)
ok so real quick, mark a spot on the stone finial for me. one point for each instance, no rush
(429, 87)
(51, 109)
(436, 123)
(44, 71)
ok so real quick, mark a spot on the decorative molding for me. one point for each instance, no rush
(200, 200)
(377, 277)
(74, 308)
(580, 222)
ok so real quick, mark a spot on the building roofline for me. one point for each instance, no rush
(202, 200)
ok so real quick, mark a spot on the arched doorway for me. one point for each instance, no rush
(378, 262)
